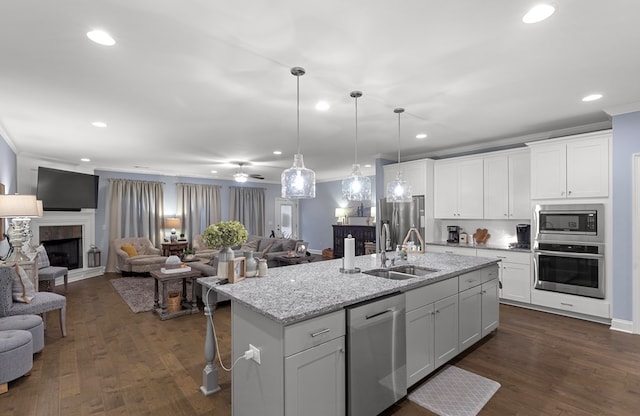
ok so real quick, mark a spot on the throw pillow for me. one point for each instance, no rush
(22, 288)
(130, 250)
(43, 257)
(275, 247)
(250, 246)
(266, 249)
(289, 244)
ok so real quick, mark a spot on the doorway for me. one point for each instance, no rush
(286, 221)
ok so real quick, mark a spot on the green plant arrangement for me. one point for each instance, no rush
(225, 234)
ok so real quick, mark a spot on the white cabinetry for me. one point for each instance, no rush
(572, 167)
(463, 251)
(515, 274)
(314, 367)
(414, 172)
(458, 188)
(432, 328)
(490, 306)
(506, 186)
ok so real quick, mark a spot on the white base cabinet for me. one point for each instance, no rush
(445, 329)
(490, 307)
(514, 274)
(479, 306)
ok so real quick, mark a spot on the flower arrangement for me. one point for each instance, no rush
(225, 234)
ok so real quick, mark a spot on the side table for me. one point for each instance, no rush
(163, 278)
(174, 248)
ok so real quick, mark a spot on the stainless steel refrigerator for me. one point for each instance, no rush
(400, 217)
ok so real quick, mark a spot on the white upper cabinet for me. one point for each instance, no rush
(572, 167)
(458, 188)
(414, 172)
(507, 185)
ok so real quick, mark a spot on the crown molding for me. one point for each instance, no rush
(623, 109)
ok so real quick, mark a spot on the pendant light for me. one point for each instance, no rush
(356, 187)
(298, 182)
(398, 190)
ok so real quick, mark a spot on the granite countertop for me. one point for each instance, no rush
(293, 293)
(481, 246)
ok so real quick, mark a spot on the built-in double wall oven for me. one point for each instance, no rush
(569, 249)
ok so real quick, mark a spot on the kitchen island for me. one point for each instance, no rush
(296, 318)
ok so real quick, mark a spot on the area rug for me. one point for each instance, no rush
(137, 292)
(455, 392)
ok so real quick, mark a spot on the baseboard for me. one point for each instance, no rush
(622, 325)
(81, 274)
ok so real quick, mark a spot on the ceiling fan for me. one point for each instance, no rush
(241, 176)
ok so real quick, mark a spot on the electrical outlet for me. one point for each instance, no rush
(256, 353)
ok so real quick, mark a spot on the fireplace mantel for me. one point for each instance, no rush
(84, 218)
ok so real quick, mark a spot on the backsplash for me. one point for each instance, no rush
(502, 232)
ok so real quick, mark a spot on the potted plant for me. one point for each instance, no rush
(224, 235)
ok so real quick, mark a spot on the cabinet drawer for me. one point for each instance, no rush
(312, 332)
(506, 256)
(489, 273)
(464, 251)
(576, 304)
(469, 280)
(425, 295)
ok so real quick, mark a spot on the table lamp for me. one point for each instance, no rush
(340, 214)
(20, 208)
(173, 223)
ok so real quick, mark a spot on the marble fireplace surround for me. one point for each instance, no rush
(85, 219)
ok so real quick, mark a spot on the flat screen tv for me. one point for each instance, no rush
(61, 190)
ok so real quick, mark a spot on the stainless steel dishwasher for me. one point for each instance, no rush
(377, 358)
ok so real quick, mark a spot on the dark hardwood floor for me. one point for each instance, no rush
(116, 362)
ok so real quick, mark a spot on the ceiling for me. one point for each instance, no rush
(193, 86)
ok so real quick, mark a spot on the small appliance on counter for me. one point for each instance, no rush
(523, 234)
(454, 234)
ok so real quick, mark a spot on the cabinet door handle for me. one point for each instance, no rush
(501, 257)
(323, 331)
(569, 193)
(566, 304)
(505, 214)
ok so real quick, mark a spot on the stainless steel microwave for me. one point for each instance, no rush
(570, 222)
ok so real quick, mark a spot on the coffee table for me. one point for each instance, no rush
(163, 278)
(288, 261)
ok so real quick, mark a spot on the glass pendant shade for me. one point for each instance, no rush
(298, 182)
(356, 187)
(398, 190)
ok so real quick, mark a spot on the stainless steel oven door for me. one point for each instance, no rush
(573, 273)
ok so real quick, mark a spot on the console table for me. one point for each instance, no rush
(163, 278)
(362, 234)
(174, 248)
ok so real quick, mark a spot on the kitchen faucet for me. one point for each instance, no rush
(385, 239)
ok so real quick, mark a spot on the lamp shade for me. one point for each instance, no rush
(340, 212)
(18, 206)
(173, 222)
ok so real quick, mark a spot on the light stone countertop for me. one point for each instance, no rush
(293, 293)
(480, 246)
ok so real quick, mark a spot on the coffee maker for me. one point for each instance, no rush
(454, 234)
(523, 234)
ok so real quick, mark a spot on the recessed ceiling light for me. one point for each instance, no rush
(101, 37)
(367, 165)
(421, 136)
(277, 152)
(538, 13)
(592, 97)
(214, 171)
(99, 124)
(322, 106)
(85, 159)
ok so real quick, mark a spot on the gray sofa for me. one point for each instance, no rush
(262, 247)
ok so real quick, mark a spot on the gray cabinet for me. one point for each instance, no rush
(490, 307)
(315, 381)
(479, 305)
(432, 328)
(446, 329)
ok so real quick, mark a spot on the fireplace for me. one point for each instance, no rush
(63, 244)
(67, 237)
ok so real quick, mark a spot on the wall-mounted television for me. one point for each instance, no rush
(62, 190)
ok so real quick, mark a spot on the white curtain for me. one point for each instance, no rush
(198, 207)
(247, 206)
(136, 209)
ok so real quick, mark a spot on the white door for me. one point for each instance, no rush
(286, 221)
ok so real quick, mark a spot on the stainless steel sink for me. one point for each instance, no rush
(401, 272)
(414, 270)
